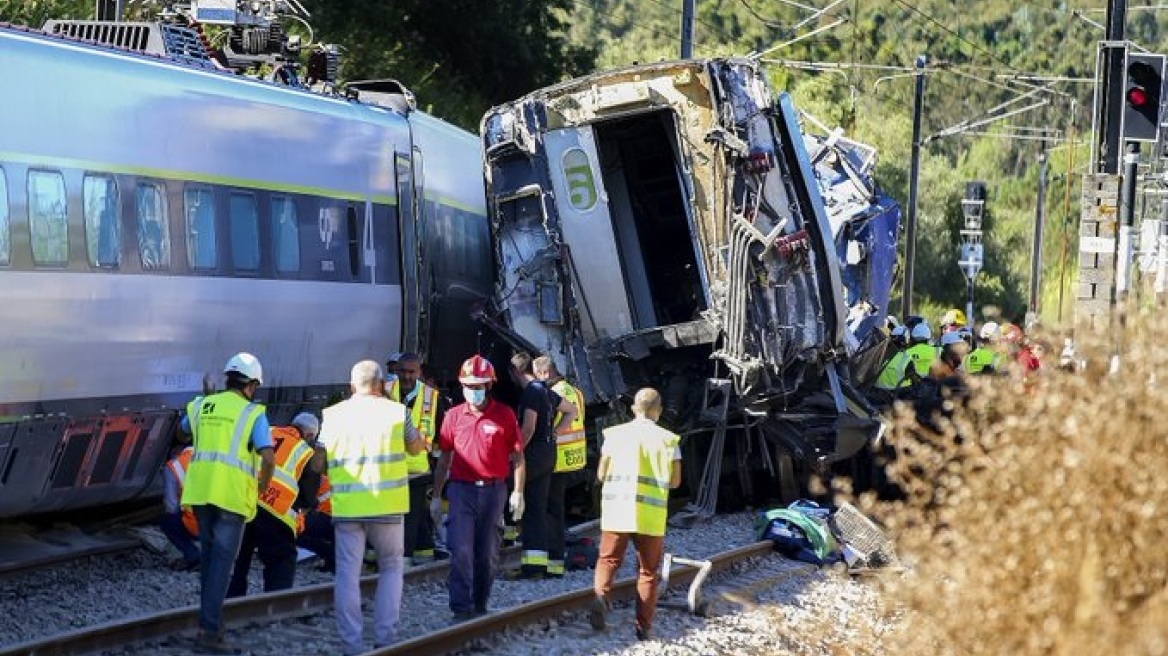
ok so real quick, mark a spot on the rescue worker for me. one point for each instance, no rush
(424, 404)
(639, 463)
(892, 375)
(921, 354)
(366, 440)
(273, 531)
(317, 536)
(232, 439)
(391, 367)
(537, 405)
(937, 395)
(571, 456)
(479, 442)
(985, 359)
(952, 320)
(178, 524)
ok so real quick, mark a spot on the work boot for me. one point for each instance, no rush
(209, 643)
(598, 613)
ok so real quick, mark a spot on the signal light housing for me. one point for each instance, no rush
(1145, 83)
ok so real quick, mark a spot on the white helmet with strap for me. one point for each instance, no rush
(246, 365)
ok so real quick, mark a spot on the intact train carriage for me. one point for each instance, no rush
(158, 214)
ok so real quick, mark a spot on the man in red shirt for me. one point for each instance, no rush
(479, 440)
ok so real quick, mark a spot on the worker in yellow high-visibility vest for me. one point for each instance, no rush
(232, 440)
(273, 531)
(571, 456)
(366, 441)
(426, 407)
(639, 463)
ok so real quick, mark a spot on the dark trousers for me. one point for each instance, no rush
(419, 536)
(276, 543)
(220, 532)
(650, 551)
(174, 530)
(535, 534)
(472, 535)
(319, 539)
(555, 523)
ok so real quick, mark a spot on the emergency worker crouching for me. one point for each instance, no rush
(317, 535)
(178, 524)
(639, 463)
(232, 439)
(273, 531)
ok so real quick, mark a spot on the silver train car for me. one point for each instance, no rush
(157, 216)
(665, 225)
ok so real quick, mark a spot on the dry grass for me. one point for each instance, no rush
(1043, 528)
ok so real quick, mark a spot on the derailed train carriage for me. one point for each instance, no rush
(665, 225)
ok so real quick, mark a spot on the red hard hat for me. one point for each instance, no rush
(476, 370)
(1011, 334)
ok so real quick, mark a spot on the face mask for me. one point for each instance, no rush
(474, 396)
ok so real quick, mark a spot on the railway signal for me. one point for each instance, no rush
(972, 250)
(1142, 99)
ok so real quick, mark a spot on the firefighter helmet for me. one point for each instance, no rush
(954, 317)
(476, 370)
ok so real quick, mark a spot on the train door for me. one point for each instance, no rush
(410, 253)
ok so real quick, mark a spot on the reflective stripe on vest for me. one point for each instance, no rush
(635, 495)
(424, 414)
(571, 445)
(222, 471)
(292, 455)
(367, 460)
(324, 496)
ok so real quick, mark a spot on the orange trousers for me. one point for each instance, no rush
(650, 551)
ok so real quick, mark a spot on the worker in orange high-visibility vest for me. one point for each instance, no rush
(273, 531)
(318, 536)
(426, 408)
(178, 524)
(571, 456)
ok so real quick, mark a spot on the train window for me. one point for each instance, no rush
(102, 231)
(153, 228)
(286, 234)
(4, 230)
(199, 207)
(245, 232)
(47, 218)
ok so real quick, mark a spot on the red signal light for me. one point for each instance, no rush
(1137, 96)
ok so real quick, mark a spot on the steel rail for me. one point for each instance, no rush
(295, 602)
(460, 635)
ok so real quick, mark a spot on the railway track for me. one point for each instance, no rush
(157, 633)
(300, 601)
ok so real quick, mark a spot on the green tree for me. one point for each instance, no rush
(458, 56)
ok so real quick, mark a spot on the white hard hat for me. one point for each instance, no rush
(921, 332)
(990, 330)
(246, 365)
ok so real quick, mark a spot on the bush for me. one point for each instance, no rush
(1037, 521)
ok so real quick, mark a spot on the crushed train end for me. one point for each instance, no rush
(665, 225)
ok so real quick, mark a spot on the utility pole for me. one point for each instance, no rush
(910, 230)
(688, 17)
(1161, 285)
(1109, 108)
(1039, 226)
